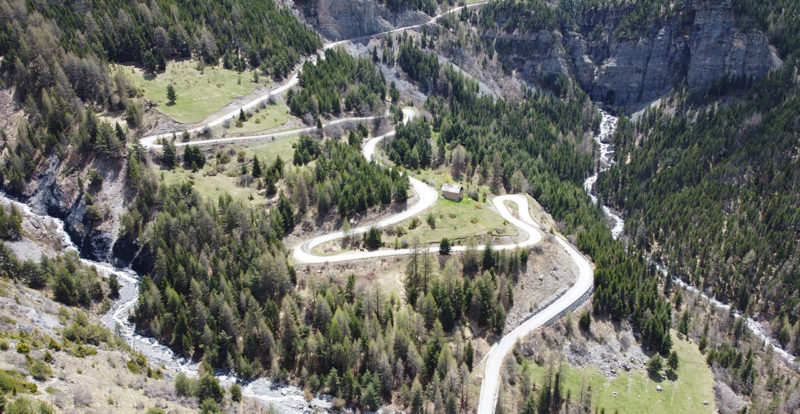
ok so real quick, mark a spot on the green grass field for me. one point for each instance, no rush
(199, 94)
(267, 151)
(227, 180)
(685, 394)
(457, 221)
(261, 119)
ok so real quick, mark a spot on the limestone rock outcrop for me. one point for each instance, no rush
(348, 19)
(697, 46)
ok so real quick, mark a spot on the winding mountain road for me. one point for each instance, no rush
(302, 253)
(427, 196)
(291, 81)
(151, 141)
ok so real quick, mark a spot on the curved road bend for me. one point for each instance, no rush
(428, 196)
(150, 142)
(294, 79)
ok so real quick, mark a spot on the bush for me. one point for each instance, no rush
(23, 348)
(372, 239)
(40, 371)
(208, 388)
(236, 393)
(81, 397)
(585, 322)
(655, 365)
(3, 345)
(209, 406)
(193, 158)
(444, 247)
(184, 386)
(113, 287)
(95, 179)
(23, 405)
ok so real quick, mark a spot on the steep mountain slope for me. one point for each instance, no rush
(55, 62)
(713, 189)
(350, 19)
(627, 53)
(716, 192)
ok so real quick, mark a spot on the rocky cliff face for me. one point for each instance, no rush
(698, 45)
(55, 192)
(348, 19)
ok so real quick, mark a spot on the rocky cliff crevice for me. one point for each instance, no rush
(697, 45)
(56, 191)
(348, 19)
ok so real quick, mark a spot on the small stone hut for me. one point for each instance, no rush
(453, 192)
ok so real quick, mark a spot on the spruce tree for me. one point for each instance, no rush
(171, 94)
(256, 167)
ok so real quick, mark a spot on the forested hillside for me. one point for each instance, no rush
(714, 190)
(337, 83)
(219, 273)
(530, 146)
(263, 34)
(56, 53)
(341, 180)
(718, 197)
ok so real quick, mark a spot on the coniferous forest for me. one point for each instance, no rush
(707, 181)
(338, 83)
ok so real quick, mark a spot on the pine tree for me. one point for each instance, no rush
(372, 239)
(488, 255)
(168, 158)
(256, 167)
(444, 246)
(171, 94)
(672, 361)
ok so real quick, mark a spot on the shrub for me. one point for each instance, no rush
(585, 321)
(3, 345)
(40, 371)
(209, 406)
(655, 365)
(24, 405)
(444, 247)
(372, 239)
(236, 393)
(184, 386)
(95, 179)
(81, 397)
(113, 287)
(208, 388)
(23, 348)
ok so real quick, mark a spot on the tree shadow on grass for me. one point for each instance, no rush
(655, 377)
(671, 375)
